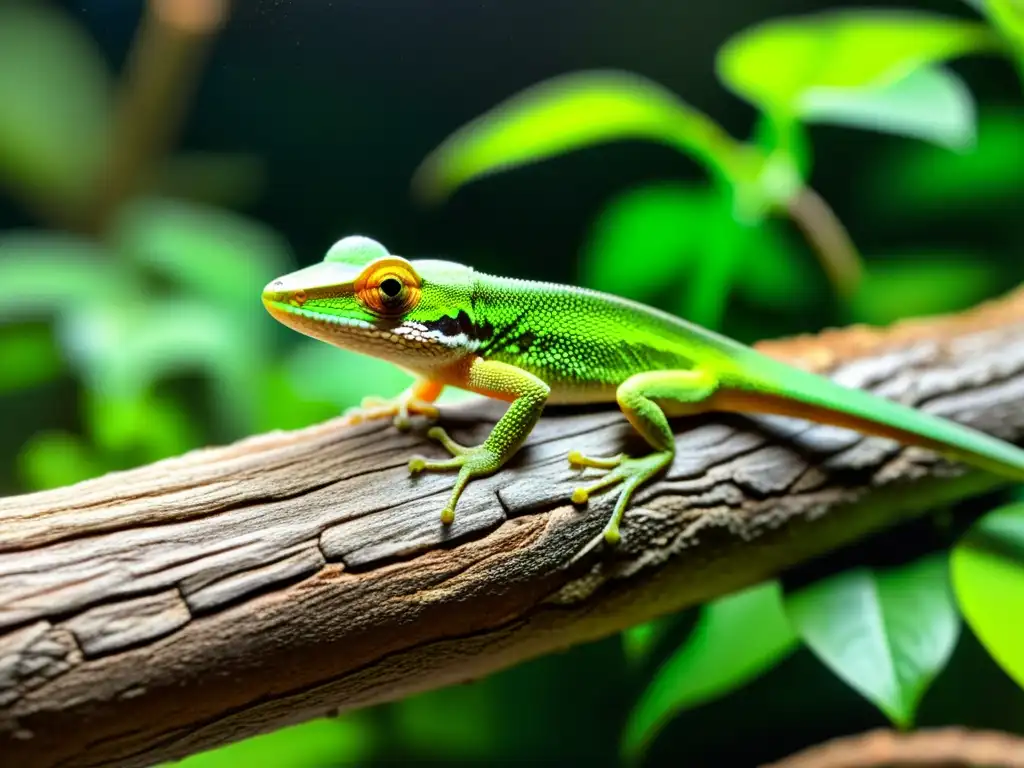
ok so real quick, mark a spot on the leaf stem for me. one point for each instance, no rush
(830, 239)
(163, 66)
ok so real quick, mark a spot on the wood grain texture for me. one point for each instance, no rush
(148, 614)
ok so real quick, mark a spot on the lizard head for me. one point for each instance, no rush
(417, 314)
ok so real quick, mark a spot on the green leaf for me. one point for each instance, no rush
(987, 568)
(662, 227)
(887, 634)
(786, 145)
(736, 639)
(917, 285)
(318, 743)
(782, 65)
(211, 253)
(1008, 16)
(693, 250)
(568, 113)
(930, 103)
(55, 94)
(49, 274)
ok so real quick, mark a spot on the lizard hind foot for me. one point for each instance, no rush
(630, 473)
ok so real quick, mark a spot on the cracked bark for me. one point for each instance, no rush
(149, 614)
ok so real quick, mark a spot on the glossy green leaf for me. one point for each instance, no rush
(49, 273)
(568, 113)
(318, 743)
(987, 568)
(55, 94)
(887, 634)
(736, 639)
(783, 65)
(930, 103)
(210, 252)
(917, 285)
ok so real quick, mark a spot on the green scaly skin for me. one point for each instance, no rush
(532, 343)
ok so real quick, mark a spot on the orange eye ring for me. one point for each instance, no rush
(388, 287)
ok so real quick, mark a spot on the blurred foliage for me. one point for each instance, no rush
(316, 744)
(918, 180)
(860, 68)
(988, 576)
(720, 655)
(146, 321)
(866, 69)
(55, 134)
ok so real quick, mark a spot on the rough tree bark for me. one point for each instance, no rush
(152, 613)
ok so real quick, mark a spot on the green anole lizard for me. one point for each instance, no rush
(530, 344)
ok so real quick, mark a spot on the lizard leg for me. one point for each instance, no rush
(640, 398)
(417, 400)
(501, 381)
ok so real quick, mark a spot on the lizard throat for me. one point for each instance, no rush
(445, 335)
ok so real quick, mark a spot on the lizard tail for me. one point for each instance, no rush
(791, 392)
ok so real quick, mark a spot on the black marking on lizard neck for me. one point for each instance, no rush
(503, 337)
(453, 326)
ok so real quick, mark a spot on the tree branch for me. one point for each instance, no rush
(929, 748)
(149, 614)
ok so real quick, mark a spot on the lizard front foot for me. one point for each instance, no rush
(630, 473)
(399, 409)
(471, 462)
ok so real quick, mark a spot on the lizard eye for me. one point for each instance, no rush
(388, 287)
(391, 287)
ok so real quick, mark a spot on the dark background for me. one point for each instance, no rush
(342, 100)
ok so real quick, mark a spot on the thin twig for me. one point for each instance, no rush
(162, 72)
(830, 239)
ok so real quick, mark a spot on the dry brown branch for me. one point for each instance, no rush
(928, 748)
(149, 614)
